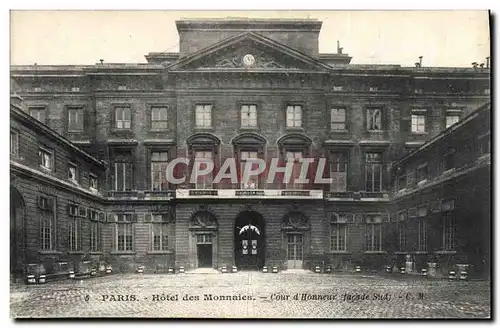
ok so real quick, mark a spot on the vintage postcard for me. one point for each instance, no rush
(322, 164)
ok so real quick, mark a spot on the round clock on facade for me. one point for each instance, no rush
(248, 60)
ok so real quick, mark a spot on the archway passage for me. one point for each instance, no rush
(16, 231)
(249, 241)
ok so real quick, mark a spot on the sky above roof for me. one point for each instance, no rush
(443, 38)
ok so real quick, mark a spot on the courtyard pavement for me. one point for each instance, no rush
(253, 295)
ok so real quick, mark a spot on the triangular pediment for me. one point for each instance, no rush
(249, 51)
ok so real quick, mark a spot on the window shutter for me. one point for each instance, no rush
(128, 176)
(410, 178)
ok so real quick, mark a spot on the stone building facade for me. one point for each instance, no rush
(248, 89)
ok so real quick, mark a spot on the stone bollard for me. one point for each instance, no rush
(275, 269)
(72, 274)
(42, 279)
(264, 269)
(140, 269)
(357, 269)
(424, 272)
(31, 279)
(402, 270)
(452, 275)
(224, 269)
(234, 269)
(182, 270)
(328, 269)
(109, 269)
(171, 270)
(463, 274)
(317, 269)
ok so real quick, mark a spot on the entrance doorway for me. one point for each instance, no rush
(295, 250)
(249, 241)
(204, 250)
(16, 231)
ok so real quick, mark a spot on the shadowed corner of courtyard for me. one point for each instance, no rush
(254, 295)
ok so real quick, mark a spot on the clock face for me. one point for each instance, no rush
(248, 60)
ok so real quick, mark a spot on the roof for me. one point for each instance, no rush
(452, 129)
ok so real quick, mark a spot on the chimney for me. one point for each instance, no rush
(420, 61)
(101, 60)
(488, 62)
(339, 49)
(481, 65)
(474, 64)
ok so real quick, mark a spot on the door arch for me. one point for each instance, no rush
(17, 215)
(249, 240)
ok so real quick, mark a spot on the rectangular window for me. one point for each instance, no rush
(248, 116)
(417, 123)
(294, 116)
(46, 226)
(402, 237)
(422, 235)
(338, 119)
(124, 233)
(95, 236)
(449, 160)
(422, 172)
(338, 237)
(74, 233)
(451, 119)
(338, 172)
(448, 231)
(373, 237)
(72, 172)
(46, 159)
(203, 181)
(75, 89)
(203, 116)
(338, 88)
(123, 118)
(159, 163)
(159, 233)
(93, 184)
(38, 113)
(123, 173)
(374, 119)
(253, 180)
(75, 119)
(373, 172)
(159, 118)
(205, 238)
(14, 143)
(294, 156)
